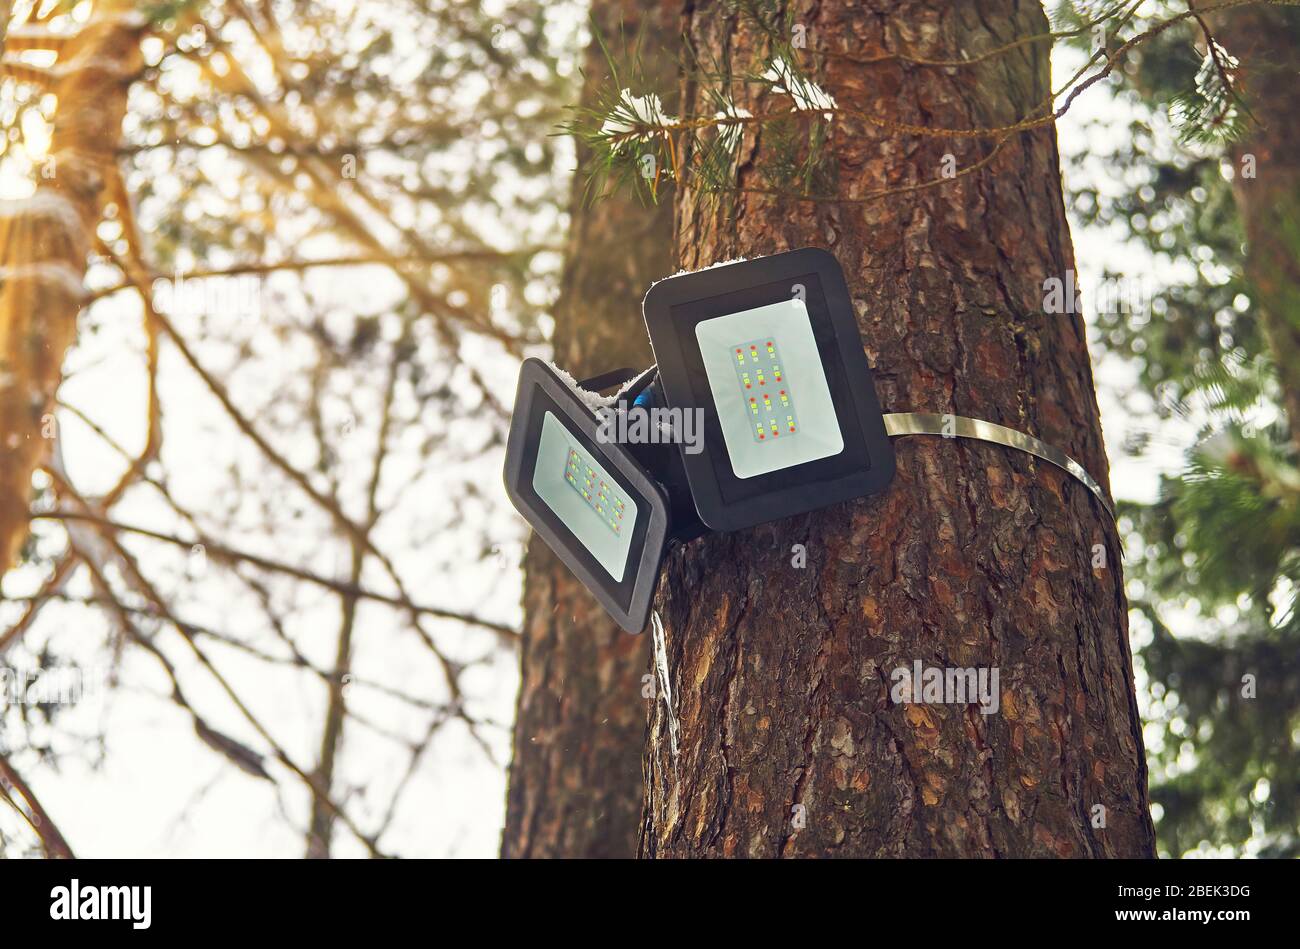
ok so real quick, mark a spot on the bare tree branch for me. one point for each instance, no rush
(231, 555)
(52, 839)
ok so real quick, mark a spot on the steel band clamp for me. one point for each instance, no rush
(959, 426)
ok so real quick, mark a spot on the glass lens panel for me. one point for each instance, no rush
(583, 495)
(767, 381)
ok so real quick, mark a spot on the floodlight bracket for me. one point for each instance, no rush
(608, 380)
(661, 459)
(959, 426)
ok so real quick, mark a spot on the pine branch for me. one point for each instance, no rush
(626, 128)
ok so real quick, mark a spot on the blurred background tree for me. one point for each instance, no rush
(575, 770)
(1206, 179)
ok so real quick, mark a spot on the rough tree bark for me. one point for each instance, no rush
(1266, 183)
(45, 239)
(977, 555)
(575, 780)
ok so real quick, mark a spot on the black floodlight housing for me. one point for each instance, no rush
(769, 351)
(591, 500)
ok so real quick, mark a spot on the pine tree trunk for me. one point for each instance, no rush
(45, 239)
(976, 556)
(575, 781)
(1266, 181)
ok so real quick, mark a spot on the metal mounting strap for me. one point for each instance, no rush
(958, 426)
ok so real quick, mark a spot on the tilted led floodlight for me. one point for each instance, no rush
(592, 502)
(769, 351)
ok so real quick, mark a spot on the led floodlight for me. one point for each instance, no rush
(592, 502)
(768, 351)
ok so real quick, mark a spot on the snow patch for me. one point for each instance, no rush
(47, 271)
(636, 112)
(594, 400)
(729, 132)
(665, 681)
(807, 95)
(45, 203)
(683, 272)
